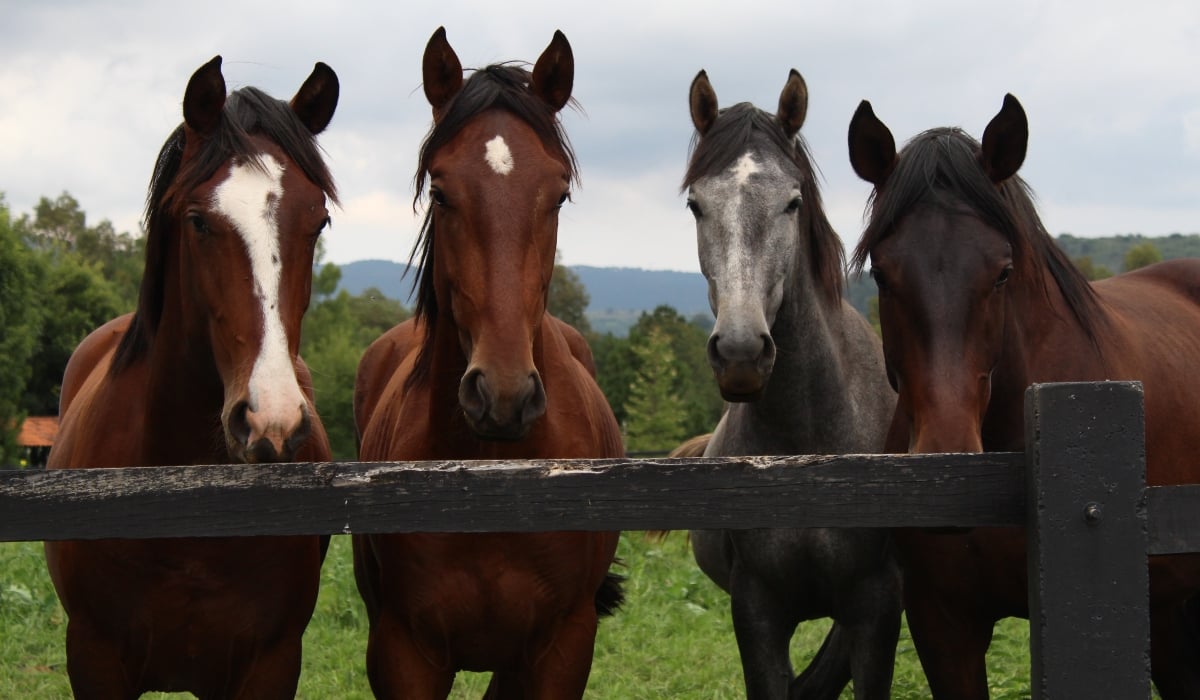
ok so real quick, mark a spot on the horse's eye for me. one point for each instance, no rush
(323, 225)
(793, 206)
(1004, 275)
(566, 196)
(691, 204)
(438, 197)
(198, 224)
(880, 282)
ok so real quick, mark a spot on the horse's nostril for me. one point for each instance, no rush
(239, 423)
(535, 403)
(714, 352)
(474, 395)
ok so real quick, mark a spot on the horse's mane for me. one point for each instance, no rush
(744, 127)
(499, 86)
(940, 167)
(247, 112)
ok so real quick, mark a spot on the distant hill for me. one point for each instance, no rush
(619, 295)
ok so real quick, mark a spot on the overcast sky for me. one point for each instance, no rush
(89, 91)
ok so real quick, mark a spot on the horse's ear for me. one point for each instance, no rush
(554, 73)
(1004, 141)
(317, 98)
(793, 104)
(441, 71)
(204, 99)
(872, 148)
(702, 101)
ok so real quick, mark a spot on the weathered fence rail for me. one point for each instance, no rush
(1079, 489)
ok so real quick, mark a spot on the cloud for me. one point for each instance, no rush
(92, 90)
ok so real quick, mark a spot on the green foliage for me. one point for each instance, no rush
(336, 332)
(1110, 251)
(20, 320)
(59, 229)
(83, 276)
(568, 299)
(618, 366)
(77, 299)
(1091, 270)
(1141, 255)
(694, 381)
(654, 413)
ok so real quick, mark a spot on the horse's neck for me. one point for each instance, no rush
(184, 399)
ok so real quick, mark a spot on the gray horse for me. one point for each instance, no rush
(775, 271)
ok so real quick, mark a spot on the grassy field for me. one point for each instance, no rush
(672, 639)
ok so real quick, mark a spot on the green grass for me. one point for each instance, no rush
(672, 639)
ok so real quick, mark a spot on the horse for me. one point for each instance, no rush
(483, 371)
(801, 373)
(204, 371)
(976, 303)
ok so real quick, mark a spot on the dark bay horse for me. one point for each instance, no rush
(205, 371)
(483, 371)
(803, 374)
(977, 302)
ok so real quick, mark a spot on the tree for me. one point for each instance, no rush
(1142, 255)
(1091, 270)
(20, 321)
(568, 298)
(336, 332)
(694, 381)
(76, 299)
(59, 228)
(655, 413)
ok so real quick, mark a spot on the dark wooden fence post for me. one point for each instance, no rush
(1089, 619)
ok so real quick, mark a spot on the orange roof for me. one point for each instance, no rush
(38, 431)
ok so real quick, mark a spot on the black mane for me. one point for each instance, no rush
(499, 86)
(744, 127)
(248, 111)
(940, 167)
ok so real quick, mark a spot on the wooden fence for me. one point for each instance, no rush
(1079, 489)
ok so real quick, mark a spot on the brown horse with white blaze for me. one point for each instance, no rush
(976, 303)
(205, 371)
(482, 371)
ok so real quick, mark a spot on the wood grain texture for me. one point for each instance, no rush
(328, 498)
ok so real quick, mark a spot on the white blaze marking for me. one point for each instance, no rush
(744, 168)
(249, 198)
(498, 156)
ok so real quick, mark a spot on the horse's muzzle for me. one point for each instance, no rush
(254, 439)
(495, 413)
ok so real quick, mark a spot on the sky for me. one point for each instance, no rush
(89, 91)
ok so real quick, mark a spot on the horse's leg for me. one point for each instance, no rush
(95, 666)
(829, 670)
(1175, 649)
(763, 630)
(951, 641)
(273, 674)
(366, 575)
(396, 668)
(562, 666)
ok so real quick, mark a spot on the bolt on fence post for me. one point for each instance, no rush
(1089, 621)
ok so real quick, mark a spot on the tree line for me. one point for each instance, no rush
(61, 277)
